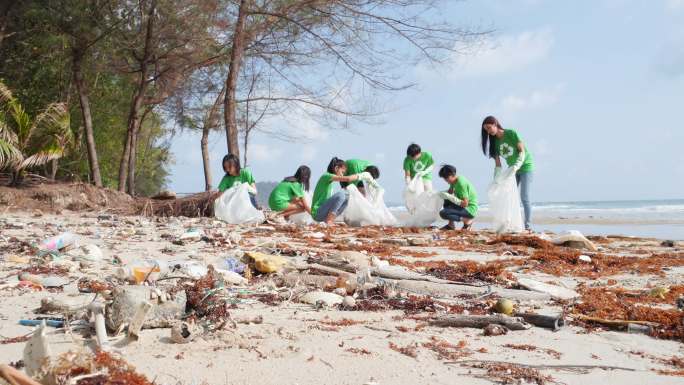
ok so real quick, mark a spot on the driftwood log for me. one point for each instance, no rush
(441, 290)
(481, 321)
(196, 205)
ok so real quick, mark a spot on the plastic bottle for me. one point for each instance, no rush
(142, 270)
(59, 242)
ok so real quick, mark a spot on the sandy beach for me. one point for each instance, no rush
(388, 337)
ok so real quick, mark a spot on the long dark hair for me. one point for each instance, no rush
(302, 175)
(335, 162)
(231, 159)
(493, 151)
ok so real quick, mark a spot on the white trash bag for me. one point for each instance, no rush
(504, 203)
(235, 207)
(423, 206)
(303, 218)
(367, 210)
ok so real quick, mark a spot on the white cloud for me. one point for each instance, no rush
(674, 5)
(504, 54)
(534, 100)
(264, 153)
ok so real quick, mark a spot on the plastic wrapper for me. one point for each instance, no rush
(235, 207)
(504, 203)
(423, 206)
(368, 210)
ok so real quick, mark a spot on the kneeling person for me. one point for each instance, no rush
(287, 197)
(460, 201)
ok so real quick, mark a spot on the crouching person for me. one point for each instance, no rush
(460, 201)
(236, 175)
(326, 206)
(287, 198)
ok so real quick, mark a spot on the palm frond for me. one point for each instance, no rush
(9, 153)
(5, 94)
(41, 157)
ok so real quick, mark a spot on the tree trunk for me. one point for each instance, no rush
(133, 157)
(82, 90)
(4, 18)
(53, 169)
(133, 116)
(230, 105)
(205, 158)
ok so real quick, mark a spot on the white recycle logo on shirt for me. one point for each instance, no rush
(505, 150)
(418, 166)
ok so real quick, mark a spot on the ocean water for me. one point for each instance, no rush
(641, 218)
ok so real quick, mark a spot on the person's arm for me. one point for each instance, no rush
(497, 167)
(345, 178)
(464, 202)
(521, 156)
(449, 197)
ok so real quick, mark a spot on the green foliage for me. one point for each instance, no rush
(30, 142)
(35, 63)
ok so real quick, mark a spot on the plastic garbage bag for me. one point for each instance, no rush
(368, 210)
(423, 206)
(504, 203)
(303, 218)
(235, 207)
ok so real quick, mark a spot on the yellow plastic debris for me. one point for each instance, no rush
(266, 263)
(504, 306)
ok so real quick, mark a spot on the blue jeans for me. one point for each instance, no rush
(454, 212)
(525, 184)
(335, 204)
(252, 198)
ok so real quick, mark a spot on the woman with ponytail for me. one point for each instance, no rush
(326, 206)
(498, 142)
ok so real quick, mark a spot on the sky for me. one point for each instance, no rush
(594, 88)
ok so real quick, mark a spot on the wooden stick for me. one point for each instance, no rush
(481, 321)
(15, 377)
(613, 322)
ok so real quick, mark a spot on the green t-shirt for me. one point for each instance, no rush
(356, 166)
(414, 166)
(282, 195)
(322, 192)
(508, 149)
(228, 181)
(463, 189)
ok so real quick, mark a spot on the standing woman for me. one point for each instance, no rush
(508, 144)
(236, 175)
(287, 198)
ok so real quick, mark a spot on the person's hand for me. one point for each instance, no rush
(464, 202)
(519, 162)
(251, 189)
(365, 176)
(497, 172)
(407, 179)
(449, 197)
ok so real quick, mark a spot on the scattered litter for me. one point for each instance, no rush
(321, 297)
